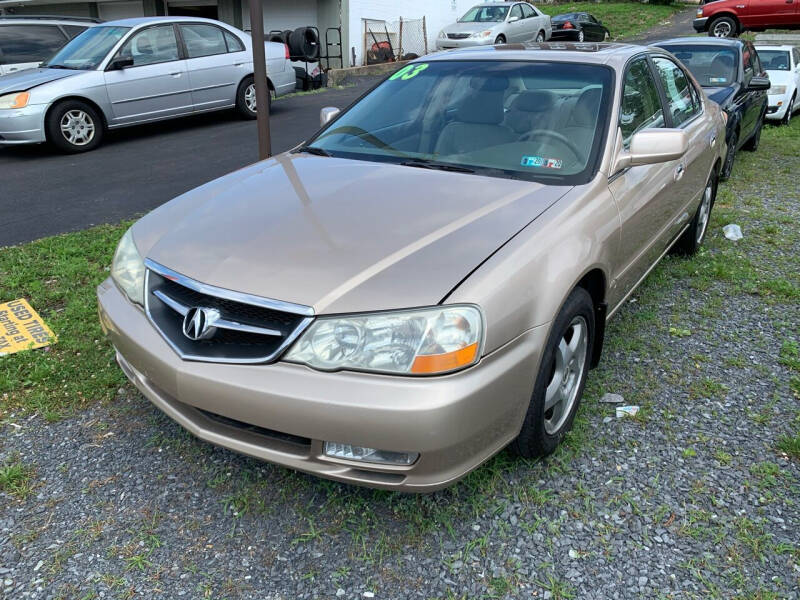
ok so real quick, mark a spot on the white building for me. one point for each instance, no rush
(349, 15)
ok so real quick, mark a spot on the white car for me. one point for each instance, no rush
(782, 64)
(496, 23)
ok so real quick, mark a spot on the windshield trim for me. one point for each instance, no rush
(582, 177)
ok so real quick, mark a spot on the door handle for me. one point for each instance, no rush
(176, 74)
(713, 141)
(679, 170)
(237, 64)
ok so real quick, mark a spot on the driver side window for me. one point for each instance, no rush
(641, 104)
(152, 45)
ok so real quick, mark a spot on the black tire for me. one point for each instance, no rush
(691, 240)
(534, 439)
(581, 35)
(540, 37)
(304, 42)
(789, 110)
(244, 93)
(751, 145)
(500, 39)
(723, 27)
(727, 166)
(77, 113)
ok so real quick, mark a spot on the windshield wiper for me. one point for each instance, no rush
(422, 163)
(61, 67)
(314, 150)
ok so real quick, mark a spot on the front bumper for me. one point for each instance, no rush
(23, 125)
(700, 25)
(777, 106)
(448, 44)
(454, 422)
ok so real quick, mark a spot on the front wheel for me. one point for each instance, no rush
(500, 39)
(789, 110)
(562, 374)
(691, 240)
(723, 27)
(74, 126)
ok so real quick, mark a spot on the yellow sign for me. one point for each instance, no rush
(21, 328)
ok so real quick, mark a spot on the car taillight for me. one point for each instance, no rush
(286, 52)
(568, 25)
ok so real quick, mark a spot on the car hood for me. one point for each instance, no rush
(340, 235)
(470, 27)
(780, 77)
(720, 95)
(20, 81)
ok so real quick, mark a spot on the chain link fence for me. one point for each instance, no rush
(389, 41)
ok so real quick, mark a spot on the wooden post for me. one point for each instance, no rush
(425, 33)
(400, 41)
(260, 78)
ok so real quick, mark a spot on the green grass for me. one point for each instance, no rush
(622, 19)
(15, 478)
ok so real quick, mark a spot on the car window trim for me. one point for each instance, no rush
(116, 52)
(186, 49)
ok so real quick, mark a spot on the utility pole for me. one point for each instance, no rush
(260, 78)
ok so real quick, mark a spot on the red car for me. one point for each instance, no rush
(729, 18)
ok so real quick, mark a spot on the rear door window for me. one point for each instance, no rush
(641, 102)
(203, 40)
(527, 11)
(29, 43)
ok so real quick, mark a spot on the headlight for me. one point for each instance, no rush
(16, 100)
(777, 90)
(699, 12)
(128, 269)
(442, 35)
(410, 342)
(482, 34)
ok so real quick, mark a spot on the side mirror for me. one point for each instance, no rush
(328, 114)
(119, 63)
(759, 83)
(653, 146)
(512, 19)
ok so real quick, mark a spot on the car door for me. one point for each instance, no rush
(517, 27)
(642, 193)
(214, 72)
(157, 85)
(530, 27)
(763, 13)
(594, 31)
(752, 100)
(684, 105)
(24, 46)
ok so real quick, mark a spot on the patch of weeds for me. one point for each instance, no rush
(707, 388)
(689, 453)
(790, 445)
(15, 478)
(723, 457)
(559, 590)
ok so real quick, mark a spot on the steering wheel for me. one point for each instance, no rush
(557, 136)
(364, 135)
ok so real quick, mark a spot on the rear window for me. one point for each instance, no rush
(712, 66)
(775, 60)
(29, 43)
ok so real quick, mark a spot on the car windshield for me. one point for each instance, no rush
(774, 60)
(521, 120)
(87, 50)
(712, 66)
(485, 14)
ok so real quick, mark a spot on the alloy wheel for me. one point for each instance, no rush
(580, 35)
(722, 29)
(77, 127)
(540, 37)
(789, 110)
(250, 97)
(567, 373)
(705, 211)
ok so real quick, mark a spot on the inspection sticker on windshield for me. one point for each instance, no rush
(21, 328)
(409, 71)
(717, 80)
(540, 161)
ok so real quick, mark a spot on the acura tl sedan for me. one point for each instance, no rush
(133, 71)
(428, 279)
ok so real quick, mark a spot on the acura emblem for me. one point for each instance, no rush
(198, 324)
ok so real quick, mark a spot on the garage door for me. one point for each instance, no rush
(110, 11)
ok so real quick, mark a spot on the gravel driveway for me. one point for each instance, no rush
(689, 499)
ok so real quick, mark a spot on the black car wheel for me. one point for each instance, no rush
(540, 37)
(727, 167)
(74, 126)
(789, 109)
(751, 145)
(691, 240)
(723, 27)
(580, 35)
(500, 39)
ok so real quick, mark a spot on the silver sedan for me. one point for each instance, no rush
(134, 71)
(496, 23)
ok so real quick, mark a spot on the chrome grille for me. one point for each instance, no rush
(237, 327)
(458, 36)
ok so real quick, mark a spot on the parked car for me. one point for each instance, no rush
(782, 64)
(579, 27)
(729, 18)
(134, 71)
(496, 23)
(25, 41)
(428, 279)
(731, 74)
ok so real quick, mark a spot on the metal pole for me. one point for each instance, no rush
(260, 79)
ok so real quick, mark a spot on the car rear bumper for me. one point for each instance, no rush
(564, 34)
(454, 422)
(700, 24)
(23, 125)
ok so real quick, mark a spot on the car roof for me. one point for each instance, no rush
(578, 52)
(701, 41)
(29, 19)
(136, 21)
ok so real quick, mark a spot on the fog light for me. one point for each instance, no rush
(371, 455)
